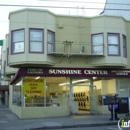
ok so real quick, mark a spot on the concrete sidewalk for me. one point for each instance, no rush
(9, 121)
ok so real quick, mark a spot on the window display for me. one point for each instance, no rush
(17, 95)
(35, 93)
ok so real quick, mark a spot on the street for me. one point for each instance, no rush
(93, 128)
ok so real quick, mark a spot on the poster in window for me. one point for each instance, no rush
(33, 87)
(19, 47)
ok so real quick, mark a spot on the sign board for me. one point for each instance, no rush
(33, 87)
(71, 72)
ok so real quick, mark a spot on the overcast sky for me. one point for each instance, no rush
(89, 8)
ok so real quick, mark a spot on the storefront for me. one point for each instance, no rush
(46, 92)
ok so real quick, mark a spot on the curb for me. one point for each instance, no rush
(75, 126)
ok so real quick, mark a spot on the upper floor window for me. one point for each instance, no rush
(50, 41)
(124, 46)
(18, 41)
(7, 56)
(97, 44)
(113, 44)
(36, 40)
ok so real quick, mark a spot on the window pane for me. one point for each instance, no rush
(124, 52)
(124, 47)
(36, 40)
(50, 39)
(35, 35)
(36, 46)
(18, 36)
(97, 39)
(50, 47)
(113, 39)
(113, 50)
(97, 44)
(18, 41)
(113, 44)
(97, 49)
(18, 47)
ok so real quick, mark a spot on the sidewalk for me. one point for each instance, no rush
(9, 121)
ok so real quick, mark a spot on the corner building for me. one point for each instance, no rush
(60, 64)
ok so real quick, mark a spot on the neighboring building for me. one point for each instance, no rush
(4, 85)
(66, 64)
(117, 8)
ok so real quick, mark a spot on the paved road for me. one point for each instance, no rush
(93, 128)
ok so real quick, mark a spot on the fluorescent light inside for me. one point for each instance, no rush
(37, 77)
(19, 83)
(78, 81)
(62, 84)
(122, 89)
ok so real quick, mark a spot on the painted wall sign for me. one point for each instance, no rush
(72, 72)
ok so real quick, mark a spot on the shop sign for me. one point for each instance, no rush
(72, 72)
(33, 87)
(75, 72)
(34, 71)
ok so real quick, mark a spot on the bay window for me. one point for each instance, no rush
(36, 40)
(113, 44)
(18, 41)
(97, 43)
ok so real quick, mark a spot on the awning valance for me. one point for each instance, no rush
(70, 72)
(4, 88)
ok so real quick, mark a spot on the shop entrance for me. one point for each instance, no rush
(84, 97)
(81, 98)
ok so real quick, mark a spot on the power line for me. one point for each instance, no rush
(62, 7)
(84, 2)
(72, 1)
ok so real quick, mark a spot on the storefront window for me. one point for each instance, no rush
(17, 95)
(33, 91)
(41, 92)
(57, 91)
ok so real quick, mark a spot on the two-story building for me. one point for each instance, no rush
(62, 64)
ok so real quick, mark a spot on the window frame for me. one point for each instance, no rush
(41, 41)
(124, 47)
(92, 43)
(12, 43)
(53, 43)
(118, 45)
(7, 56)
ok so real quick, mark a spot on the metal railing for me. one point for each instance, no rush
(72, 48)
